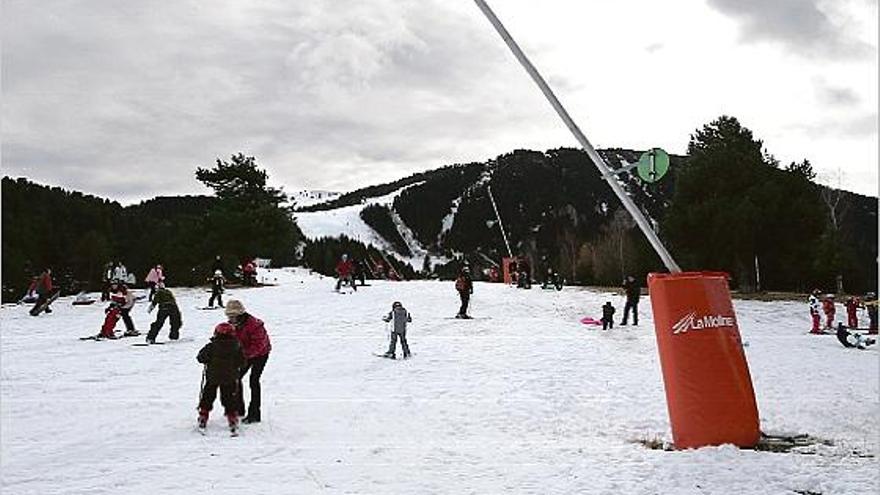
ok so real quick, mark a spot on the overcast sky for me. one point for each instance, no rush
(124, 99)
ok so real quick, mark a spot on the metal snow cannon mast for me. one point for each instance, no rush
(709, 393)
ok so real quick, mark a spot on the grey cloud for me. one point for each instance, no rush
(798, 24)
(835, 95)
(125, 99)
(858, 126)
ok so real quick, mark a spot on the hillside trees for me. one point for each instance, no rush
(732, 205)
(250, 218)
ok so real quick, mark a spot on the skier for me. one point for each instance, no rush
(607, 316)
(815, 305)
(465, 287)
(111, 316)
(871, 305)
(222, 357)
(399, 317)
(830, 310)
(217, 284)
(633, 292)
(852, 339)
(124, 300)
(255, 343)
(167, 309)
(852, 305)
(344, 273)
(45, 293)
(155, 276)
(120, 273)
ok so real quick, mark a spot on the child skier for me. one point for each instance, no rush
(222, 357)
(217, 284)
(45, 293)
(399, 317)
(167, 309)
(815, 305)
(830, 310)
(852, 305)
(607, 316)
(852, 339)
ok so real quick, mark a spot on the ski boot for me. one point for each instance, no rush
(203, 420)
(389, 355)
(252, 417)
(233, 424)
(131, 333)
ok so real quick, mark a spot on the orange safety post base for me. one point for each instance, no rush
(709, 391)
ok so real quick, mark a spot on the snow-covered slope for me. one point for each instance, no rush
(523, 399)
(347, 221)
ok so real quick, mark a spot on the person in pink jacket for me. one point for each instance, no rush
(255, 343)
(153, 278)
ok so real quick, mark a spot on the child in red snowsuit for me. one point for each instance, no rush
(829, 309)
(815, 306)
(852, 306)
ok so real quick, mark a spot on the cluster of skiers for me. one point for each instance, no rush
(847, 334)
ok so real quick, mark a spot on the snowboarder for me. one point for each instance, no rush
(167, 309)
(45, 293)
(871, 305)
(852, 306)
(156, 275)
(852, 339)
(465, 287)
(607, 316)
(344, 271)
(124, 300)
(217, 285)
(633, 292)
(398, 317)
(815, 306)
(255, 343)
(222, 357)
(829, 310)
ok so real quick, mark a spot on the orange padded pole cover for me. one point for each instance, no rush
(709, 391)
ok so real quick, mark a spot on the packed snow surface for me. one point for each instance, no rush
(522, 399)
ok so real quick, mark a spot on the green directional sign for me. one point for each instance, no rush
(653, 165)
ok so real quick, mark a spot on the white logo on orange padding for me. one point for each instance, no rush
(691, 322)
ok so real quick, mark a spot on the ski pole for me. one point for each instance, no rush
(202, 386)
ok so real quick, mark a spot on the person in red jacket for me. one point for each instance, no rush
(255, 343)
(829, 310)
(344, 270)
(852, 306)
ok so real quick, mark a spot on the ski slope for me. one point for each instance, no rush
(522, 399)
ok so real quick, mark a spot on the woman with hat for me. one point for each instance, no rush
(255, 343)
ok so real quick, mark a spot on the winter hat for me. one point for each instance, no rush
(234, 307)
(224, 329)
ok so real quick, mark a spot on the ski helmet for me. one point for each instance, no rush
(397, 304)
(224, 329)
